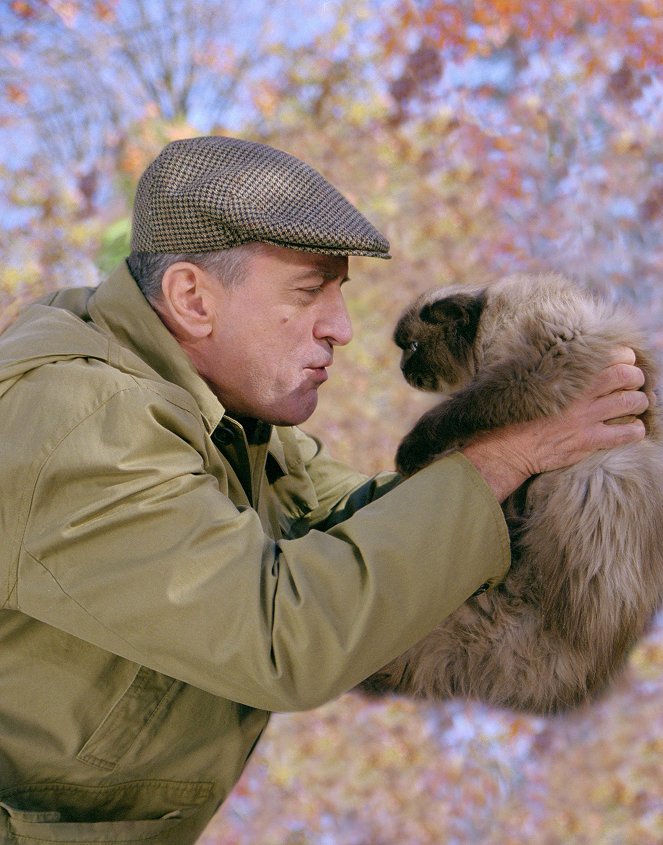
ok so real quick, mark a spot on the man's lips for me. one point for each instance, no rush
(319, 373)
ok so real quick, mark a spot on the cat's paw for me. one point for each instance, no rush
(411, 456)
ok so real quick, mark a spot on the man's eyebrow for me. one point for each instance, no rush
(327, 273)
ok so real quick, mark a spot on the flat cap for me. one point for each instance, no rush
(211, 193)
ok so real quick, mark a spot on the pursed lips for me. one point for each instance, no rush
(319, 371)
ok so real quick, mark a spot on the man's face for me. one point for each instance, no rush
(274, 334)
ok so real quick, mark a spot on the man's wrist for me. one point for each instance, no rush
(492, 461)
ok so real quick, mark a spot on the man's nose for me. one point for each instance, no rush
(334, 324)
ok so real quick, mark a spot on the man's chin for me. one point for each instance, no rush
(297, 413)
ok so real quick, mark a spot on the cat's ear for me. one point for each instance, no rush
(459, 313)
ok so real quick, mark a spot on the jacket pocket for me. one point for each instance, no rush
(138, 711)
(128, 812)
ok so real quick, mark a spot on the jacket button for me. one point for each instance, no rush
(222, 436)
(482, 589)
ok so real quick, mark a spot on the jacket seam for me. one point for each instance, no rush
(74, 600)
(29, 494)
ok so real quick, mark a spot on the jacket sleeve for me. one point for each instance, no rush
(130, 545)
(340, 490)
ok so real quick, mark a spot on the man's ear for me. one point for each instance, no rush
(185, 305)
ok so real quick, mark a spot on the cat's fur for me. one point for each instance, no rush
(587, 541)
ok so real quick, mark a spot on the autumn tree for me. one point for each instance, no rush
(483, 136)
(545, 118)
(89, 92)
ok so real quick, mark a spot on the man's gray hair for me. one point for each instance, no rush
(227, 265)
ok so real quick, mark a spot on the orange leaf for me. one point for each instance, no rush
(105, 11)
(23, 9)
(16, 94)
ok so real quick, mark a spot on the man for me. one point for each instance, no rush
(178, 559)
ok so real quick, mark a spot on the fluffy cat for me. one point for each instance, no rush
(587, 541)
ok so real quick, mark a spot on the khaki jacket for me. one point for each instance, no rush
(168, 580)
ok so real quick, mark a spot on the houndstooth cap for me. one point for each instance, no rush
(211, 193)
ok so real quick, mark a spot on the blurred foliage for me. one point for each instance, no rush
(483, 136)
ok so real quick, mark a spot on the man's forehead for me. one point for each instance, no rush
(336, 264)
(307, 262)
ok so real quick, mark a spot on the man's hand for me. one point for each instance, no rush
(508, 457)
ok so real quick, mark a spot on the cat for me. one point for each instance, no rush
(587, 541)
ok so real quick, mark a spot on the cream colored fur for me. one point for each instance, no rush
(587, 541)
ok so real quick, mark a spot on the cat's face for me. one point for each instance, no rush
(436, 335)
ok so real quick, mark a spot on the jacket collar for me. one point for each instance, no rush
(119, 307)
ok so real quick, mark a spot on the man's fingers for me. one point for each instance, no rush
(622, 403)
(619, 434)
(619, 377)
(621, 420)
(622, 355)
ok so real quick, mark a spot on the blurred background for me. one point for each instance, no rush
(482, 137)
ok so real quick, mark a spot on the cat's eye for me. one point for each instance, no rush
(414, 346)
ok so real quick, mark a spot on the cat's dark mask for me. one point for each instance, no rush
(459, 315)
(436, 338)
